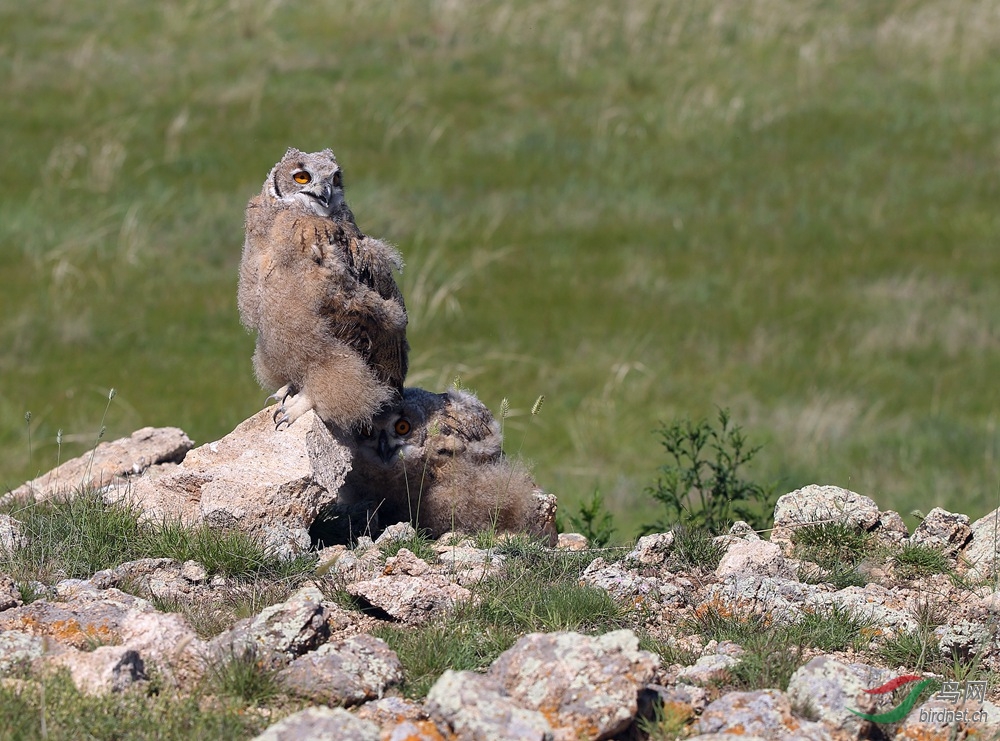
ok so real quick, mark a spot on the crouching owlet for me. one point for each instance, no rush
(329, 317)
(436, 461)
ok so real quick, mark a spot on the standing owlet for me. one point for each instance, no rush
(436, 461)
(329, 317)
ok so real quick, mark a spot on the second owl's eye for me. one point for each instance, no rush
(402, 427)
(301, 177)
(338, 180)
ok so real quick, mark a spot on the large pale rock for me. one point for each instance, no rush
(650, 550)
(81, 616)
(625, 585)
(764, 713)
(347, 672)
(109, 463)
(983, 549)
(321, 724)
(471, 707)
(585, 686)
(271, 484)
(754, 557)
(831, 689)
(410, 599)
(105, 669)
(280, 633)
(944, 531)
(815, 505)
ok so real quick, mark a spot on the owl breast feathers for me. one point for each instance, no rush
(436, 461)
(321, 296)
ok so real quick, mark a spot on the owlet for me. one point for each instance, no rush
(321, 296)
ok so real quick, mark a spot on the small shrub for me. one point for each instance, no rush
(594, 521)
(701, 485)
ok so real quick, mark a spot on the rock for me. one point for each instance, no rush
(781, 600)
(628, 587)
(105, 669)
(754, 557)
(650, 550)
(321, 724)
(348, 672)
(571, 542)
(19, 648)
(830, 689)
(813, 505)
(255, 479)
(543, 524)
(471, 707)
(10, 595)
(713, 665)
(11, 536)
(764, 713)
(963, 640)
(583, 685)
(400, 532)
(943, 531)
(406, 562)
(279, 633)
(891, 529)
(109, 463)
(410, 599)
(983, 550)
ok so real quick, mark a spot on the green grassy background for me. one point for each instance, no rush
(643, 210)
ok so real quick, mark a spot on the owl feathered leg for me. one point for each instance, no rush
(343, 391)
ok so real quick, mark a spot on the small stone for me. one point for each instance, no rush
(347, 672)
(572, 542)
(472, 706)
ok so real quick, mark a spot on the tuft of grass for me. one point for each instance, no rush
(836, 547)
(421, 545)
(244, 676)
(695, 547)
(915, 561)
(775, 650)
(76, 535)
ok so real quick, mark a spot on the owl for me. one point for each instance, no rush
(321, 296)
(436, 461)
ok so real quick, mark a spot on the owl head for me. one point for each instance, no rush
(426, 427)
(309, 180)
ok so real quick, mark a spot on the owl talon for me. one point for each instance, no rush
(292, 406)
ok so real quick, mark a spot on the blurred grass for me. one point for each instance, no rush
(643, 210)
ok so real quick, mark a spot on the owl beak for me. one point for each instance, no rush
(385, 452)
(323, 193)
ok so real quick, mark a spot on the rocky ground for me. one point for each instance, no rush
(702, 628)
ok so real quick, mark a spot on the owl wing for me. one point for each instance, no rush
(362, 305)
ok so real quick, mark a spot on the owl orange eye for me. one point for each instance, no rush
(338, 180)
(402, 427)
(301, 177)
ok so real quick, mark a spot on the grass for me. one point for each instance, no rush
(774, 651)
(838, 548)
(537, 591)
(76, 536)
(54, 708)
(781, 208)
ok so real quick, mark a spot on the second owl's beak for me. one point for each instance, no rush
(385, 452)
